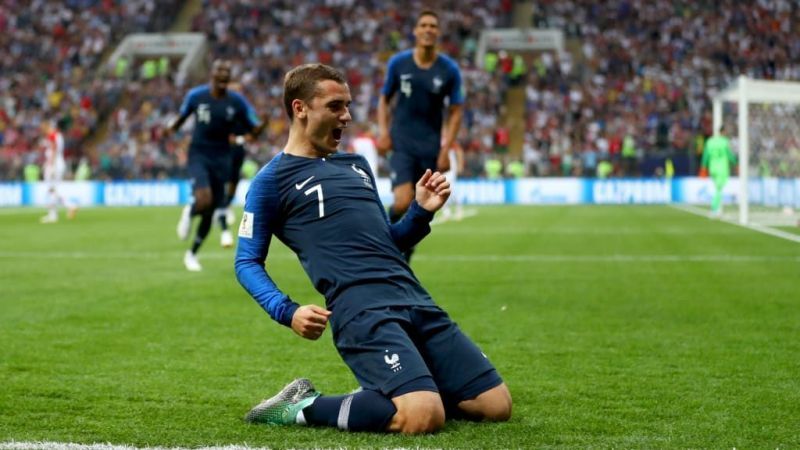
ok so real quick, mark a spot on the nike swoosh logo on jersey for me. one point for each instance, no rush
(299, 186)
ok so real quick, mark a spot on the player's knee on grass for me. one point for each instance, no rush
(403, 195)
(493, 405)
(418, 413)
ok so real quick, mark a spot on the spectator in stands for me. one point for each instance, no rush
(62, 43)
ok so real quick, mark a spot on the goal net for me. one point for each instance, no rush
(766, 118)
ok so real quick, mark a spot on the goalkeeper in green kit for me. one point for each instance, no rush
(717, 160)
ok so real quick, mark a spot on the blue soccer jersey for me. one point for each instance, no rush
(216, 119)
(421, 93)
(327, 210)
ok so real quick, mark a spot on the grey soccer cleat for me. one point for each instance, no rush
(282, 409)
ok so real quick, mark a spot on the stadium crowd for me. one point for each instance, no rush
(263, 40)
(634, 82)
(641, 78)
(51, 56)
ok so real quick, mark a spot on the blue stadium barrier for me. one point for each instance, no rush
(525, 191)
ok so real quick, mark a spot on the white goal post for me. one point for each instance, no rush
(746, 92)
(191, 47)
(519, 39)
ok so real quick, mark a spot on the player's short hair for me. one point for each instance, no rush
(427, 12)
(220, 62)
(301, 83)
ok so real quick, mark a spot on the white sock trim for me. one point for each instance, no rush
(301, 418)
(344, 413)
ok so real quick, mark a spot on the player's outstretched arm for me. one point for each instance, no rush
(455, 113)
(433, 190)
(310, 321)
(258, 129)
(255, 234)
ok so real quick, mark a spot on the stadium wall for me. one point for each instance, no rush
(525, 191)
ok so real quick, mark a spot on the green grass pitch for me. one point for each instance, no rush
(626, 327)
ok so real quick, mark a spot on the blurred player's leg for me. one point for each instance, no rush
(226, 238)
(53, 174)
(185, 222)
(191, 263)
(716, 201)
(204, 185)
(403, 195)
(219, 194)
(190, 258)
(237, 160)
(52, 206)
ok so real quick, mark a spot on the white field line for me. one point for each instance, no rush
(14, 445)
(606, 258)
(478, 258)
(759, 228)
(577, 231)
(12, 211)
(465, 213)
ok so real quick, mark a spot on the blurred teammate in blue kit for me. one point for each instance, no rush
(218, 113)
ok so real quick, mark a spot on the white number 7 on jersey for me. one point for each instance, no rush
(318, 189)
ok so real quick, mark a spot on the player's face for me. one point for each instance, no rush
(221, 74)
(328, 116)
(426, 32)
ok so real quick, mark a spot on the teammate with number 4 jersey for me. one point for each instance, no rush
(424, 84)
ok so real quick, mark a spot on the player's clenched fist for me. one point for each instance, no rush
(309, 321)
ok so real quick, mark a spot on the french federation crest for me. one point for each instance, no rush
(364, 176)
(437, 84)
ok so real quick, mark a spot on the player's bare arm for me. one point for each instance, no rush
(258, 129)
(384, 142)
(454, 116)
(174, 126)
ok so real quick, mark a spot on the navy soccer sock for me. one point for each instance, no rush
(223, 223)
(361, 411)
(230, 195)
(202, 230)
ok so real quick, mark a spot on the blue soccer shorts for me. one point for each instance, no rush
(406, 168)
(207, 173)
(397, 350)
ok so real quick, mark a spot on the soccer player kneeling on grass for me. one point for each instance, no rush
(414, 364)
